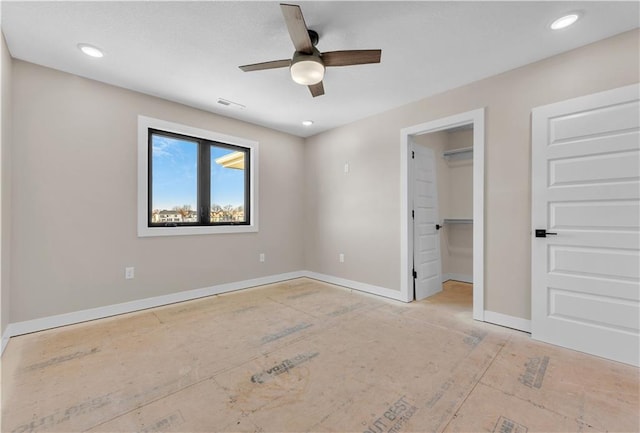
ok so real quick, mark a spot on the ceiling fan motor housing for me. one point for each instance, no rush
(307, 69)
(313, 35)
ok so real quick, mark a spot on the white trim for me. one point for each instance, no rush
(507, 321)
(144, 123)
(478, 214)
(35, 325)
(43, 323)
(5, 338)
(406, 235)
(356, 285)
(458, 277)
(475, 117)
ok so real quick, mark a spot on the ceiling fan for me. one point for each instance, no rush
(308, 64)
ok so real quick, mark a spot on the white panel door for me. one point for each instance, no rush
(426, 241)
(586, 193)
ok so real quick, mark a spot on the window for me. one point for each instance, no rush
(201, 182)
(193, 181)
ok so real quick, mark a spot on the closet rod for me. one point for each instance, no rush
(464, 153)
(457, 221)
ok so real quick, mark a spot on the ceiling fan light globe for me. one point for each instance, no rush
(307, 71)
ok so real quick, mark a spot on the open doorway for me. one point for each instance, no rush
(443, 240)
(457, 143)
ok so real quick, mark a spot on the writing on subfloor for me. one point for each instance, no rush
(61, 416)
(505, 425)
(302, 295)
(440, 392)
(475, 337)
(535, 368)
(394, 418)
(59, 359)
(164, 423)
(282, 367)
(345, 310)
(272, 337)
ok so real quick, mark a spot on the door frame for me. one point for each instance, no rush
(476, 118)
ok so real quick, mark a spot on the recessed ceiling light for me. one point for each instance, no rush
(90, 50)
(564, 21)
(307, 122)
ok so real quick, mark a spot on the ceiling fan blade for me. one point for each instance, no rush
(297, 28)
(351, 57)
(317, 89)
(267, 65)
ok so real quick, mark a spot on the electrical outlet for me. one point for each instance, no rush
(262, 257)
(341, 258)
(346, 167)
(129, 273)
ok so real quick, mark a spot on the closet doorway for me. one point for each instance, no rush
(447, 241)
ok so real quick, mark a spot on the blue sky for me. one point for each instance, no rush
(174, 163)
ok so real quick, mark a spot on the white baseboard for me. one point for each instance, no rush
(458, 277)
(5, 338)
(27, 326)
(356, 285)
(40, 324)
(507, 321)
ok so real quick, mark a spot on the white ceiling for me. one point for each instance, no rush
(189, 52)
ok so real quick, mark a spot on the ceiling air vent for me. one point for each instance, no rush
(230, 104)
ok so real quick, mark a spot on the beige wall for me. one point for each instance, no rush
(361, 212)
(74, 201)
(5, 182)
(459, 139)
(459, 237)
(73, 188)
(460, 177)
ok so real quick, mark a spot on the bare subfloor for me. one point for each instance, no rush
(307, 356)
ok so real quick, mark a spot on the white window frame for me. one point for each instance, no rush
(144, 123)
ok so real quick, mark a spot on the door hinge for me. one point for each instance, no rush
(414, 273)
(413, 214)
(413, 154)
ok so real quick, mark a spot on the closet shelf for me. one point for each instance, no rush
(458, 221)
(456, 154)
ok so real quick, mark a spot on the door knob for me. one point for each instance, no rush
(543, 233)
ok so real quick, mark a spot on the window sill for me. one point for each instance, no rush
(195, 230)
